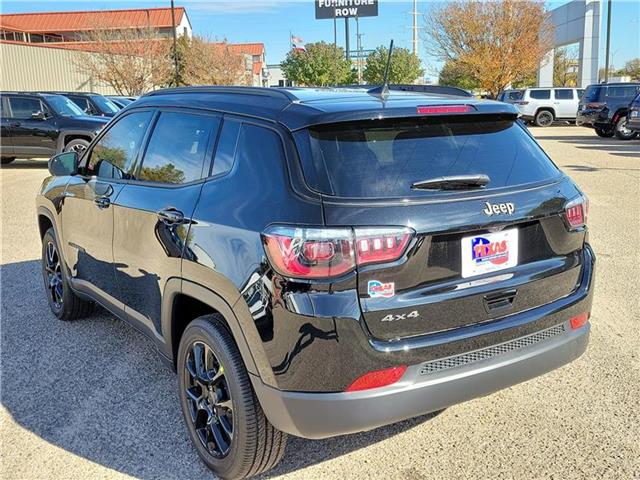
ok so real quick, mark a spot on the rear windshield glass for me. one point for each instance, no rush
(384, 159)
(593, 93)
(515, 95)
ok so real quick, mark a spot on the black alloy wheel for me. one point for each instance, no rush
(209, 399)
(53, 272)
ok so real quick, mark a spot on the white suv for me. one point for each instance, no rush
(543, 106)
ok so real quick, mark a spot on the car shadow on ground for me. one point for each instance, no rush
(96, 388)
(26, 165)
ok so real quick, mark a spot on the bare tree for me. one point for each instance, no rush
(214, 63)
(496, 42)
(132, 60)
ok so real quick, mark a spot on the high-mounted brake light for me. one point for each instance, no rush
(377, 378)
(576, 212)
(331, 252)
(439, 109)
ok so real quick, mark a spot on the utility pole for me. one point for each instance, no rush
(175, 43)
(346, 37)
(415, 27)
(359, 50)
(335, 32)
(606, 62)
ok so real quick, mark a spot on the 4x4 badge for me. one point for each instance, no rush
(499, 208)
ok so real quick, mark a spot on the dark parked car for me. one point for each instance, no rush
(633, 118)
(321, 262)
(92, 103)
(604, 107)
(41, 125)
(120, 101)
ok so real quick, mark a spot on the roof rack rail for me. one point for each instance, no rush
(265, 91)
(441, 89)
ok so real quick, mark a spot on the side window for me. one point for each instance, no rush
(82, 102)
(563, 94)
(540, 94)
(114, 154)
(226, 151)
(178, 147)
(258, 145)
(24, 107)
(580, 92)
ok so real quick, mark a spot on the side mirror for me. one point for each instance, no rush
(38, 116)
(64, 164)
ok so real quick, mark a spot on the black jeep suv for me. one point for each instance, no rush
(41, 125)
(321, 261)
(605, 108)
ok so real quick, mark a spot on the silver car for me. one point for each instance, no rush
(543, 106)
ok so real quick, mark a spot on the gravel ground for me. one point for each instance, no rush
(90, 399)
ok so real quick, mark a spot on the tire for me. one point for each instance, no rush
(622, 132)
(254, 445)
(6, 160)
(604, 133)
(78, 145)
(64, 303)
(543, 118)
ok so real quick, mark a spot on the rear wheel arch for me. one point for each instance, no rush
(44, 224)
(184, 301)
(621, 112)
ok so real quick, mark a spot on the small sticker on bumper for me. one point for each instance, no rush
(378, 289)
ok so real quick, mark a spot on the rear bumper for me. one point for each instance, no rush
(430, 386)
(593, 119)
(321, 415)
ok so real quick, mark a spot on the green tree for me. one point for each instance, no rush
(321, 65)
(453, 75)
(405, 66)
(166, 174)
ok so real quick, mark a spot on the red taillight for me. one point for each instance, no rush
(436, 109)
(576, 212)
(579, 320)
(377, 378)
(381, 245)
(330, 252)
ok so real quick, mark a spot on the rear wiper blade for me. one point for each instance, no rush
(453, 182)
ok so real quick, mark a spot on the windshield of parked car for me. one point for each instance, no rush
(385, 158)
(63, 106)
(105, 104)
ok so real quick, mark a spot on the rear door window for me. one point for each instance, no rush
(540, 94)
(383, 159)
(178, 148)
(563, 94)
(622, 92)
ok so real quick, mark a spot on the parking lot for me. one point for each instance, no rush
(90, 399)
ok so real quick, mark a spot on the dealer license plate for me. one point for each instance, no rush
(489, 252)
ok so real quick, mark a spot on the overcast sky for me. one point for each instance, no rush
(269, 22)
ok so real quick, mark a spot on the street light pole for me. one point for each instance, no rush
(175, 43)
(606, 62)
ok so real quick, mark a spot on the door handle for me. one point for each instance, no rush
(102, 202)
(170, 216)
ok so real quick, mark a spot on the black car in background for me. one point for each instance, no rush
(92, 103)
(121, 101)
(605, 108)
(633, 118)
(42, 124)
(320, 262)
